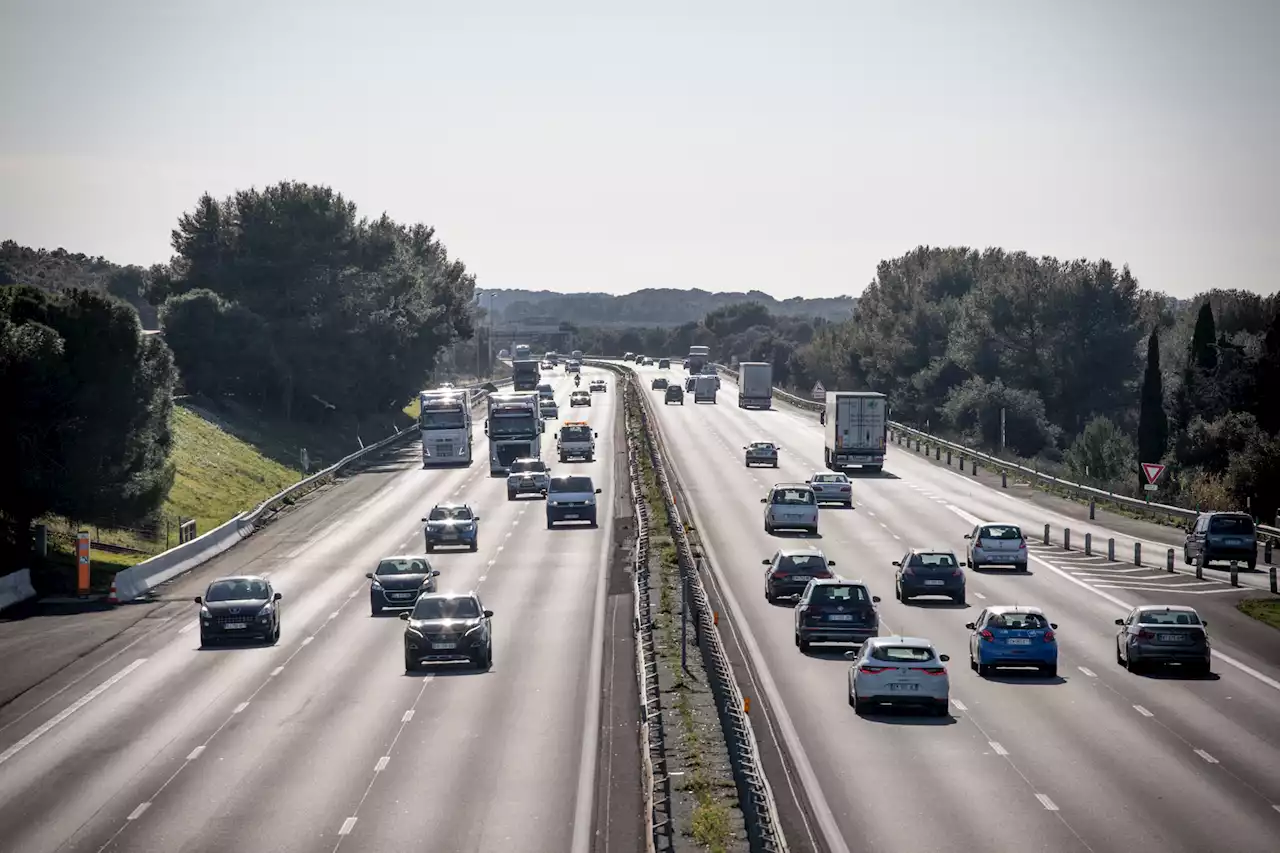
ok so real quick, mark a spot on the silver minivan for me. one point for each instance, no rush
(791, 506)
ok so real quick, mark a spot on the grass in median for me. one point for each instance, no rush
(1265, 610)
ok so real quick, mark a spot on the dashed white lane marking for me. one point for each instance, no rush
(1000, 750)
(896, 536)
(1049, 804)
(308, 640)
(408, 715)
(69, 710)
(347, 825)
(481, 579)
(500, 547)
(870, 513)
(195, 753)
(332, 616)
(1206, 756)
(491, 563)
(240, 707)
(382, 764)
(1087, 671)
(354, 593)
(1143, 711)
(276, 671)
(959, 705)
(885, 526)
(185, 629)
(1277, 808)
(979, 595)
(137, 813)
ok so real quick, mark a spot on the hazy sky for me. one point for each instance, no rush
(784, 146)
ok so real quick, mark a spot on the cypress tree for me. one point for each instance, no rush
(1204, 346)
(1153, 424)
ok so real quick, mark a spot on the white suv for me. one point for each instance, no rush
(571, 498)
(790, 506)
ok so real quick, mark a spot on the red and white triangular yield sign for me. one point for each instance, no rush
(1153, 470)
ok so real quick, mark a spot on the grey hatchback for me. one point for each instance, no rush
(922, 572)
(1221, 536)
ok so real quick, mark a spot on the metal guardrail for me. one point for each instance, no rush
(901, 430)
(758, 806)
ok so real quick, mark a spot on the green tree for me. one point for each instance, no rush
(1153, 423)
(1204, 341)
(974, 409)
(1101, 453)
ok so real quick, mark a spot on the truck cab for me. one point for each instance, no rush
(576, 441)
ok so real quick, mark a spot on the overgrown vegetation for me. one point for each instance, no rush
(1265, 610)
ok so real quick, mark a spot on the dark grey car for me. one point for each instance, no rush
(1222, 537)
(448, 628)
(1170, 633)
(834, 610)
(239, 608)
(923, 572)
(399, 580)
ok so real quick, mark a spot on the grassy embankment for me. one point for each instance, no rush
(1265, 610)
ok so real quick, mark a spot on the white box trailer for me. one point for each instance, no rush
(704, 388)
(755, 385)
(857, 429)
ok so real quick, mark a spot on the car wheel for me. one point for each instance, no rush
(973, 664)
(797, 635)
(942, 708)
(853, 702)
(775, 465)
(1130, 664)
(1204, 670)
(1253, 562)
(550, 523)
(859, 706)
(1119, 657)
(897, 592)
(1186, 556)
(410, 663)
(375, 610)
(804, 644)
(984, 669)
(475, 545)
(769, 596)
(958, 599)
(429, 547)
(768, 528)
(1022, 567)
(205, 642)
(1050, 671)
(511, 495)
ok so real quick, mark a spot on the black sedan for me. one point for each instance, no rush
(239, 608)
(398, 581)
(448, 628)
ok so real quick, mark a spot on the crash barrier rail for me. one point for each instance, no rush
(903, 435)
(16, 587)
(139, 579)
(759, 808)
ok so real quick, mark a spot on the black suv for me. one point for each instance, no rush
(1221, 537)
(922, 572)
(448, 628)
(789, 572)
(675, 394)
(834, 610)
(659, 384)
(239, 608)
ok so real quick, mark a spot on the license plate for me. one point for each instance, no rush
(801, 578)
(1018, 641)
(1171, 638)
(444, 645)
(935, 583)
(905, 686)
(841, 617)
(569, 515)
(448, 536)
(402, 595)
(1234, 542)
(233, 626)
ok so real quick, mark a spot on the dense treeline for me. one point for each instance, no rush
(58, 269)
(661, 307)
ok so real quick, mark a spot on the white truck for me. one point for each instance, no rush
(704, 388)
(697, 359)
(444, 423)
(523, 352)
(576, 441)
(755, 385)
(857, 428)
(515, 428)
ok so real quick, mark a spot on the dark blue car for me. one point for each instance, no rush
(1013, 636)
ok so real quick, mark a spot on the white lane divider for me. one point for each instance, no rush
(195, 753)
(69, 710)
(1206, 756)
(308, 640)
(979, 595)
(137, 813)
(1143, 711)
(1087, 671)
(276, 671)
(347, 825)
(999, 749)
(408, 715)
(240, 707)
(186, 629)
(382, 764)
(1049, 804)
(959, 705)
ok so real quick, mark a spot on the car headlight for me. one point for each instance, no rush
(473, 630)
(414, 631)
(377, 587)
(205, 613)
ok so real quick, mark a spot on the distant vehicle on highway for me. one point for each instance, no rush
(996, 544)
(527, 477)
(832, 488)
(789, 571)
(444, 426)
(580, 398)
(571, 499)
(673, 394)
(761, 453)
(577, 440)
(835, 610)
(690, 383)
(448, 628)
(924, 572)
(1164, 633)
(659, 384)
(239, 608)
(598, 385)
(628, 356)
(664, 364)
(1005, 635)
(899, 671)
(1221, 537)
(790, 506)
(856, 430)
(548, 409)
(451, 525)
(398, 581)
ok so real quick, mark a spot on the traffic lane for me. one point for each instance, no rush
(180, 689)
(936, 625)
(866, 768)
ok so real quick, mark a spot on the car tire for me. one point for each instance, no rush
(1130, 664)
(410, 664)
(429, 548)
(1253, 562)
(775, 465)
(769, 596)
(1022, 567)
(973, 664)
(984, 669)
(1050, 671)
(550, 523)
(1186, 556)
(475, 546)
(1204, 670)
(859, 707)
(375, 610)
(797, 638)
(1119, 657)
(205, 642)
(275, 636)
(853, 702)
(768, 528)
(804, 645)
(942, 708)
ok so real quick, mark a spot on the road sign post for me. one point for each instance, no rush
(1152, 470)
(82, 562)
(819, 392)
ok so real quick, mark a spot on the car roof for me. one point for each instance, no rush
(792, 552)
(755, 443)
(1014, 608)
(830, 474)
(790, 486)
(1000, 524)
(449, 595)
(1172, 608)
(1229, 512)
(931, 551)
(450, 505)
(404, 557)
(527, 459)
(239, 578)
(837, 581)
(897, 640)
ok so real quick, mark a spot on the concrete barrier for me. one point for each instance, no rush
(16, 587)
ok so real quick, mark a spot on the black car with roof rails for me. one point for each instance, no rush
(398, 581)
(790, 570)
(835, 610)
(925, 572)
(1221, 537)
(448, 628)
(239, 608)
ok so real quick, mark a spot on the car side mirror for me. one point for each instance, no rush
(968, 536)
(598, 491)
(897, 562)
(279, 596)
(404, 617)
(875, 599)
(831, 562)
(424, 519)
(764, 500)
(435, 573)
(595, 435)
(764, 562)
(1204, 623)
(369, 575)
(475, 518)
(198, 600)
(488, 614)
(944, 658)
(1119, 621)
(1053, 625)
(971, 626)
(850, 655)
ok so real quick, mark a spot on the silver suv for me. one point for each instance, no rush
(790, 506)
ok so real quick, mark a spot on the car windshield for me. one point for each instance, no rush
(895, 654)
(1236, 524)
(1000, 531)
(446, 608)
(442, 419)
(793, 497)
(1019, 621)
(933, 561)
(242, 589)
(403, 566)
(841, 594)
(572, 484)
(830, 478)
(802, 562)
(444, 513)
(1168, 617)
(762, 445)
(575, 433)
(528, 466)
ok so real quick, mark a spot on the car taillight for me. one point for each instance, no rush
(874, 670)
(955, 573)
(1022, 546)
(1144, 634)
(987, 635)
(845, 489)
(934, 670)
(1048, 636)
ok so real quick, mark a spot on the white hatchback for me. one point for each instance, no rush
(997, 544)
(899, 671)
(791, 506)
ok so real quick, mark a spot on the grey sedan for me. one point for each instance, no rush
(1170, 633)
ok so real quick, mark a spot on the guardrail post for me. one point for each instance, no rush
(1235, 576)
(1004, 479)
(973, 467)
(1066, 539)
(917, 445)
(948, 457)
(1088, 544)
(1266, 553)
(937, 451)
(1046, 534)
(961, 463)
(1137, 553)
(1274, 591)
(1111, 550)
(1093, 508)
(1169, 561)
(1200, 566)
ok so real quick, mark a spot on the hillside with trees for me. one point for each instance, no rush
(58, 269)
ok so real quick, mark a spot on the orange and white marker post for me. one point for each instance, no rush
(82, 562)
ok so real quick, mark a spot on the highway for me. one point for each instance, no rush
(1097, 759)
(323, 742)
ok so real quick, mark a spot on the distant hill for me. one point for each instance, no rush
(649, 307)
(51, 270)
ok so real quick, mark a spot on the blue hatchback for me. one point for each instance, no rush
(1006, 635)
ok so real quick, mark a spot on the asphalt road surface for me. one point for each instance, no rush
(1097, 759)
(323, 742)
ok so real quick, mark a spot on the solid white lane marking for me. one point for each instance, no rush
(308, 640)
(1206, 756)
(187, 628)
(979, 595)
(408, 715)
(959, 705)
(1087, 671)
(1000, 750)
(354, 592)
(347, 825)
(1143, 711)
(71, 709)
(1046, 802)
(276, 671)
(195, 753)
(382, 764)
(240, 707)
(137, 813)
(1276, 807)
